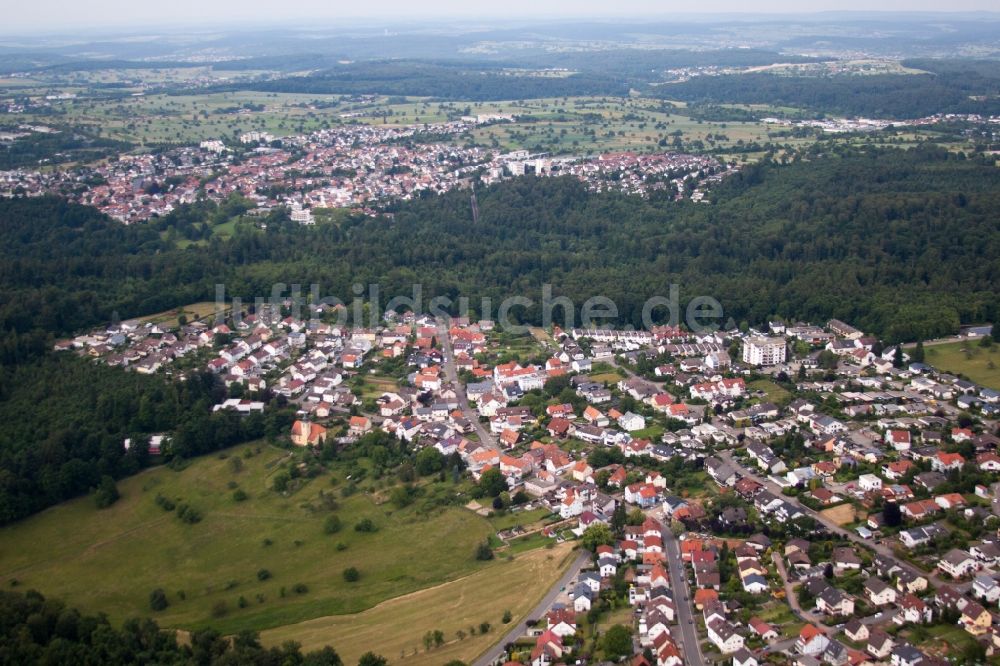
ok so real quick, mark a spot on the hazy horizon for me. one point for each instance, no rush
(47, 17)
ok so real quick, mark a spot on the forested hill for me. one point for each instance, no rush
(903, 243)
(951, 86)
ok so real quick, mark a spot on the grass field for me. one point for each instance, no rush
(653, 432)
(606, 377)
(111, 560)
(966, 357)
(396, 627)
(778, 614)
(193, 311)
(775, 393)
(524, 519)
(942, 640)
(375, 386)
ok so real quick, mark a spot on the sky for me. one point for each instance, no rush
(48, 15)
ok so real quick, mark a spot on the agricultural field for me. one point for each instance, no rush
(453, 607)
(190, 118)
(111, 560)
(559, 126)
(597, 125)
(967, 357)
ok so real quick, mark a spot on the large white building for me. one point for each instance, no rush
(764, 351)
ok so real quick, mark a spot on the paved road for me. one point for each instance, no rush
(688, 631)
(497, 651)
(451, 374)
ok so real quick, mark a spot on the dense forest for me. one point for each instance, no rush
(606, 72)
(66, 145)
(949, 88)
(904, 244)
(442, 80)
(36, 630)
(63, 421)
(64, 267)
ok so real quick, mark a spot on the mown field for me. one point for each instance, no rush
(110, 560)
(967, 358)
(774, 392)
(396, 627)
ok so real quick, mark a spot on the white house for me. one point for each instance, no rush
(869, 483)
(630, 421)
(724, 636)
(958, 563)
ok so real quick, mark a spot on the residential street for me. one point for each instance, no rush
(881, 549)
(451, 375)
(494, 653)
(688, 631)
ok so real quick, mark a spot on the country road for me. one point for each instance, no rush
(494, 653)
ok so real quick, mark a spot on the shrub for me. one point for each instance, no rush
(239, 495)
(365, 525)
(484, 552)
(331, 525)
(220, 609)
(158, 599)
(107, 493)
(188, 514)
(165, 503)
(351, 575)
(281, 481)
(300, 588)
(263, 574)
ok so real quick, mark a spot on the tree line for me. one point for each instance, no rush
(36, 630)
